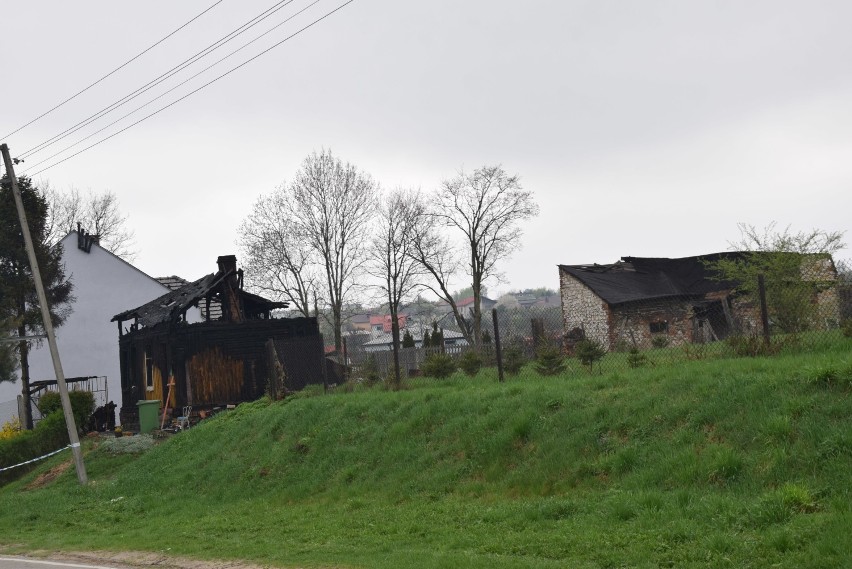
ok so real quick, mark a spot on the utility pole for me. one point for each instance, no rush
(48, 323)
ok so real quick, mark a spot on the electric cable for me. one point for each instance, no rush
(264, 52)
(160, 96)
(125, 64)
(156, 81)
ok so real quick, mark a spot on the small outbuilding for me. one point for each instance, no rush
(679, 301)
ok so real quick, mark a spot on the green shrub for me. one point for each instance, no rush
(82, 405)
(660, 341)
(749, 346)
(407, 340)
(846, 327)
(589, 352)
(49, 435)
(513, 360)
(470, 363)
(439, 366)
(49, 402)
(549, 360)
(635, 358)
(830, 376)
(370, 369)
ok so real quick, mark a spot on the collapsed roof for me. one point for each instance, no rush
(646, 278)
(215, 287)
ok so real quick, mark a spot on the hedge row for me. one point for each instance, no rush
(49, 435)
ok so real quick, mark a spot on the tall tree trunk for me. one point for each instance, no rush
(27, 419)
(395, 339)
(477, 311)
(338, 322)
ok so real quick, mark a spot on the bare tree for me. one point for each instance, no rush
(770, 239)
(486, 207)
(280, 262)
(98, 213)
(391, 259)
(431, 248)
(333, 205)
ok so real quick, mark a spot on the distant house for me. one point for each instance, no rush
(384, 341)
(213, 362)
(636, 299)
(360, 322)
(103, 285)
(465, 305)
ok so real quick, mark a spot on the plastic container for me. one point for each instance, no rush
(148, 411)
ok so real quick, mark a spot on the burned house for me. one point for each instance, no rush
(218, 361)
(638, 299)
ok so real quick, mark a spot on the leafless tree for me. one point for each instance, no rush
(486, 207)
(98, 213)
(433, 251)
(771, 239)
(390, 256)
(333, 205)
(279, 261)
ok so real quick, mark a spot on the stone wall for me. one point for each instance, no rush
(581, 308)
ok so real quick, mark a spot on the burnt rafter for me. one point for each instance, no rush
(224, 286)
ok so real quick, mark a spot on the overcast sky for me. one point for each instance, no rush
(643, 128)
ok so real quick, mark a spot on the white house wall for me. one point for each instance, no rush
(104, 285)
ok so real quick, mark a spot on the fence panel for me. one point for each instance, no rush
(598, 337)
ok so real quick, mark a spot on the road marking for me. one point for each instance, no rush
(54, 563)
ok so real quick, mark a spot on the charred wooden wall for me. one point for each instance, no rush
(217, 363)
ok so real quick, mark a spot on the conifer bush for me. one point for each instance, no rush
(470, 363)
(550, 360)
(407, 340)
(440, 366)
(589, 351)
(513, 360)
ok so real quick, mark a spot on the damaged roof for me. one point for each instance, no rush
(173, 304)
(646, 278)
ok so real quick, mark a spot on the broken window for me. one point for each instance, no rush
(149, 371)
(661, 327)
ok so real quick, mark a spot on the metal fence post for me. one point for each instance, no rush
(345, 362)
(497, 347)
(764, 311)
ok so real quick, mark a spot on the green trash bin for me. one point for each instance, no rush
(148, 411)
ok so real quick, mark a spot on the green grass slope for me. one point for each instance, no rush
(726, 463)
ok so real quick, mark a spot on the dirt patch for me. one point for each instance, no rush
(46, 478)
(138, 559)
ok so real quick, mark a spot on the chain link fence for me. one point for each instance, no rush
(593, 336)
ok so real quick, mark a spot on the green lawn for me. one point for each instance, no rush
(713, 463)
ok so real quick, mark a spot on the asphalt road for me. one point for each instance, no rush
(24, 563)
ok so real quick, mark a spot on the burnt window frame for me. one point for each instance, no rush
(148, 369)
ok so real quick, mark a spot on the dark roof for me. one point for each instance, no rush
(173, 282)
(174, 303)
(646, 278)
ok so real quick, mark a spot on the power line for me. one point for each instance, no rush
(158, 97)
(156, 81)
(126, 63)
(267, 50)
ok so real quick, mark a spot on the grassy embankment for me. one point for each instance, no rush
(725, 463)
